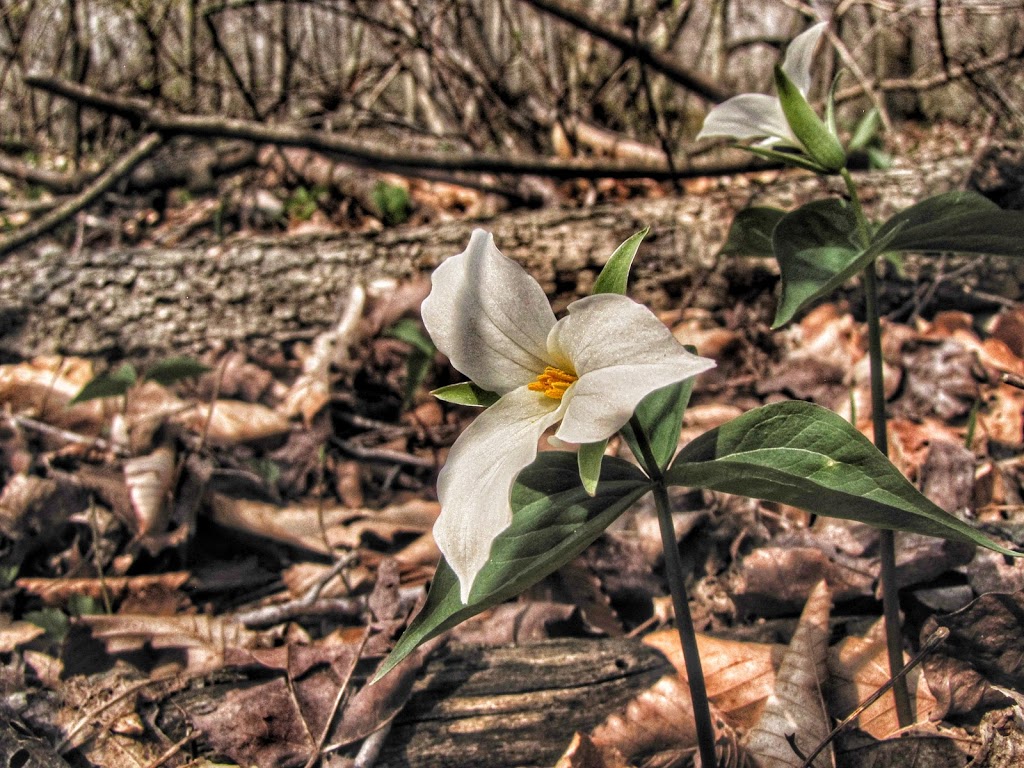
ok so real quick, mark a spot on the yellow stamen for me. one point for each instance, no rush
(553, 382)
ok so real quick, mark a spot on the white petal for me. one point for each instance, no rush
(475, 484)
(800, 53)
(622, 353)
(748, 116)
(488, 316)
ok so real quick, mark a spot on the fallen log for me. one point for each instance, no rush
(262, 294)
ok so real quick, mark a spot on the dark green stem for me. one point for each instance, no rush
(680, 602)
(887, 539)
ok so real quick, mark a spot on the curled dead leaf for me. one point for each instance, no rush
(149, 480)
(230, 422)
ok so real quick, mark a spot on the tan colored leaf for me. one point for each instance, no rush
(320, 528)
(18, 633)
(659, 718)
(233, 422)
(794, 720)
(149, 479)
(739, 676)
(57, 591)
(584, 753)
(43, 387)
(858, 666)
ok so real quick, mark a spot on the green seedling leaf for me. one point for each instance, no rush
(751, 232)
(554, 519)
(660, 415)
(865, 131)
(821, 144)
(816, 247)
(804, 455)
(167, 372)
(54, 621)
(410, 331)
(615, 274)
(964, 222)
(589, 459)
(392, 201)
(466, 393)
(112, 384)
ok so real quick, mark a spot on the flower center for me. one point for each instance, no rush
(553, 382)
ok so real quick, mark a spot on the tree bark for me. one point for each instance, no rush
(260, 294)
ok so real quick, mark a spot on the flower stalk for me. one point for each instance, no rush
(680, 602)
(887, 538)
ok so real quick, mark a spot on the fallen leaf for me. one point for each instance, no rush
(794, 720)
(149, 480)
(233, 422)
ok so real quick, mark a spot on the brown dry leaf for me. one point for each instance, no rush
(43, 387)
(57, 591)
(924, 744)
(34, 509)
(584, 753)
(18, 633)
(149, 480)
(794, 720)
(208, 643)
(1008, 327)
(1002, 418)
(320, 528)
(517, 623)
(739, 676)
(234, 422)
(858, 666)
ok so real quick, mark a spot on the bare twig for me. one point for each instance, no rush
(117, 170)
(361, 154)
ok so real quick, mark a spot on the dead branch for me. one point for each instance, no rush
(118, 170)
(363, 155)
(659, 62)
(61, 183)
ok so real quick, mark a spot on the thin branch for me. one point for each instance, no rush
(117, 170)
(362, 155)
(659, 62)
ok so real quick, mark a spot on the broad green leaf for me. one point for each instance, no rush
(750, 233)
(816, 247)
(660, 415)
(823, 147)
(466, 393)
(615, 274)
(589, 458)
(112, 384)
(409, 331)
(801, 454)
(173, 369)
(956, 221)
(554, 519)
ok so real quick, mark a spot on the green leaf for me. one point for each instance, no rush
(965, 222)
(817, 252)
(865, 131)
(751, 232)
(787, 157)
(419, 359)
(615, 274)
(589, 459)
(823, 147)
(554, 519)
(801, 454)
(111, 384)
(660, 415)
(173, 369)
(466, 393)
(409, 331)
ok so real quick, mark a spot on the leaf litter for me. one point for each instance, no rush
(220, 563)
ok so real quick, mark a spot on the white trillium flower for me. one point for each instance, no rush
(757, 115)
(588, 371)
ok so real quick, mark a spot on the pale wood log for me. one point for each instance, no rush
(264, 293)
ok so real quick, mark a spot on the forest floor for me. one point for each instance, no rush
(268, 529)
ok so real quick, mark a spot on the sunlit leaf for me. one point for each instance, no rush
(615, 274)
(801, 454)
(660, 414)
(589, 458)
(554, 519)
(823, 147)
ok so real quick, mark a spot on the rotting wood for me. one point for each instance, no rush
(508, 706)
(262, 294)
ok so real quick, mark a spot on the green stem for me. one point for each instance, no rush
(887, 539)
(680, 602)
